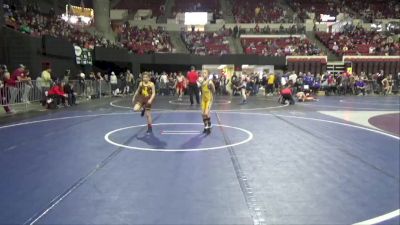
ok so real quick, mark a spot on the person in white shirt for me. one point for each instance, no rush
(114, 82)
(293, 77)
(335, 47)
(164, 84)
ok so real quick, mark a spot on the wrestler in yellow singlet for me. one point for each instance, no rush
(143, 99)
(207, 92)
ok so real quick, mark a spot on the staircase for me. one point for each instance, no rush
(177, 42)
(284, 5)
(169, 4)
(235, 46)
(227, 7)
(331, 57)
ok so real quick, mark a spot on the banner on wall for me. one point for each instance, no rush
(83, 56)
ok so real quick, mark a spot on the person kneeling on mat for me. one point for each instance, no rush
(286, 94)
(56, 95)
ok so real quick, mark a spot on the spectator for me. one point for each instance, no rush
(4, 92)
(114, 84)
(46, 82)
(56, 96)
(27, 86)
(360, 87)
(129, 82)
(71, 94)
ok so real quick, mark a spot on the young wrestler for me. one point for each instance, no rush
(305, 97)
(143, 98)
(207, 92)
(180, 86)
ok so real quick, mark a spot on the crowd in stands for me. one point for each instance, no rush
(294, 29)
(144, 40)
(27, 20)
(357, 41)
(156, 6)
(368, 10)
(258, 11)
(210, 6)
(279, 46)
(207, 43)
(316, 7)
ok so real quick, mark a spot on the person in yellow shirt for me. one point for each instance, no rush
(143, 99)
(270, 84)
(207, 97)
(46, 83)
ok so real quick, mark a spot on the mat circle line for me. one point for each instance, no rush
(108, 139)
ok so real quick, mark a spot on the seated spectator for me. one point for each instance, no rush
(356, 40)
(360, 87)
(207, 43)
(257, 11)
(279, 46)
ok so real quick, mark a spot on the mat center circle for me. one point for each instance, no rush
(175, 137)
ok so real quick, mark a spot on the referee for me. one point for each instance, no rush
(192, 77)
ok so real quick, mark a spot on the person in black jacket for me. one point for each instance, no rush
(69, 90)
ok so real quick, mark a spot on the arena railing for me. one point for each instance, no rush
(26, 92)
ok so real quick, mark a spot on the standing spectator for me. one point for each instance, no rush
(270, 84)
(171, 85)
(163, 84)
(385, 85)
(91, 82)
(18, 76)
(129, 82)
(70, 93)
(99, 83)
(46, 82)
(192, 77)
(4, 96)
(82, 84)
(223, 83)
(391, 83)
(114, 83)
(27, 85)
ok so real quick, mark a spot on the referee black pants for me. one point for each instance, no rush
(194, 89)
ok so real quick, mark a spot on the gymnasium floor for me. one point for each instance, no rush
(335, 161)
